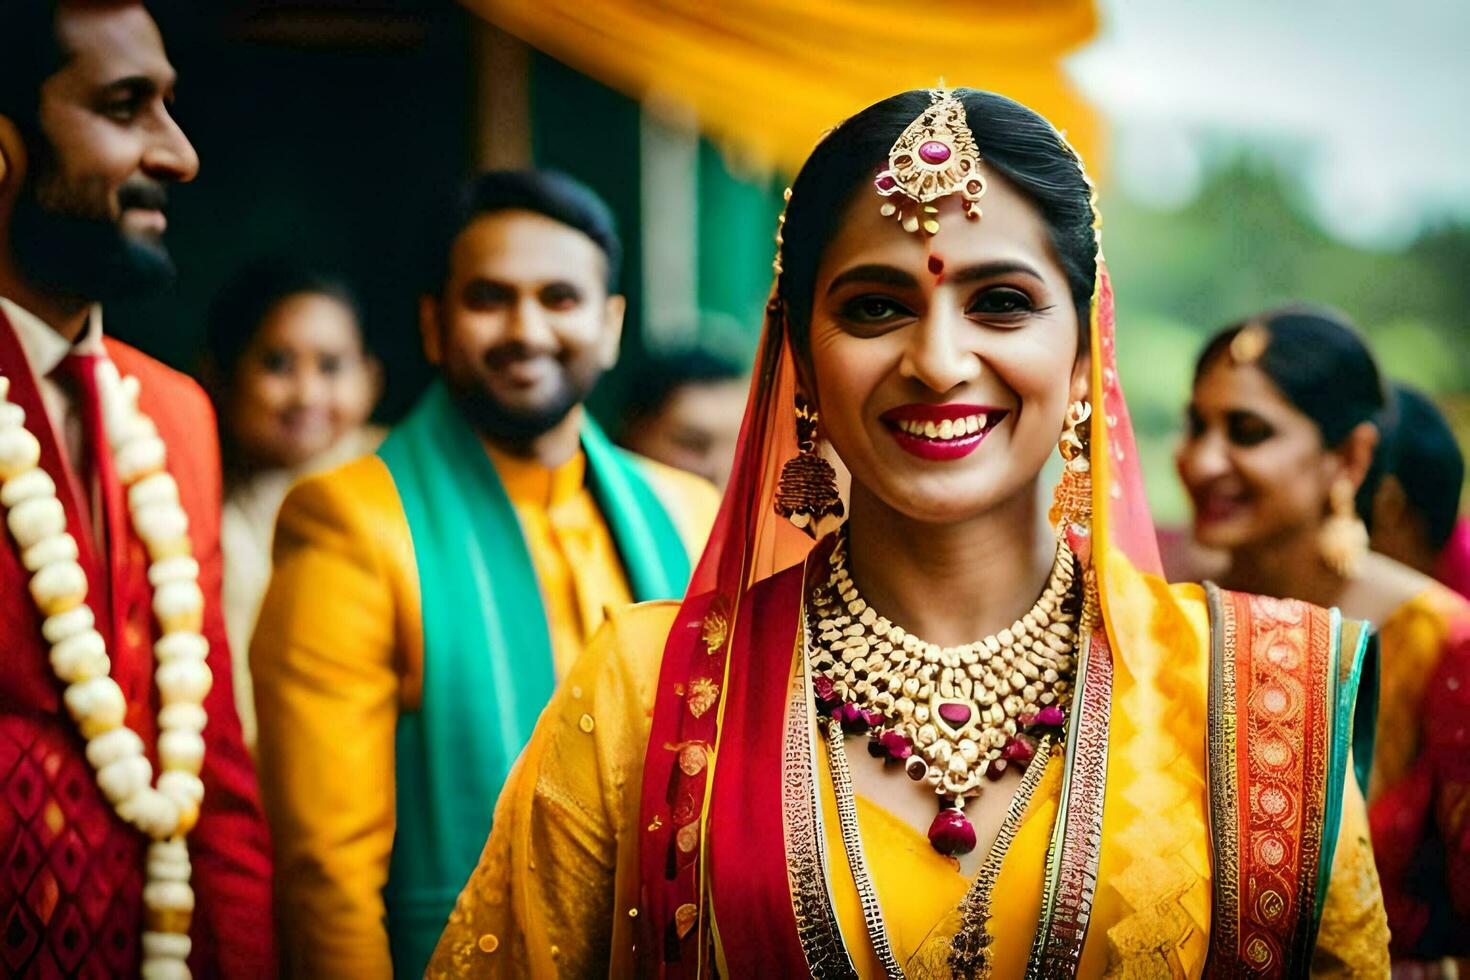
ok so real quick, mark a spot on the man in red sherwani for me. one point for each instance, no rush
(88, 152)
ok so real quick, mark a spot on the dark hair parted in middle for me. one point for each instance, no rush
(545, 192)
(1014, 141)
(1316, 359)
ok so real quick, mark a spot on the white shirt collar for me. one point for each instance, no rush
(44, 348)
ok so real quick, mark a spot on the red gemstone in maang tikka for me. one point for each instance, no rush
(1079, 539)
(1050, 717)
(934, 152)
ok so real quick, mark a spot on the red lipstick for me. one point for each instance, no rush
(941, 432)
(1214, 507)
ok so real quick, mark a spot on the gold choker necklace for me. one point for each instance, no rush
(955, 716)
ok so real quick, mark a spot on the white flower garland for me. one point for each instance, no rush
(168, 811)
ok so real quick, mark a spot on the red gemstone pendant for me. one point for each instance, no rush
(951, 833)
(953, 715)
(958, 715)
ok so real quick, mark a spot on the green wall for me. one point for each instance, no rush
(327, 154)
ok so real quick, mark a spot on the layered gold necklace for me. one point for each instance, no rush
(954, 716)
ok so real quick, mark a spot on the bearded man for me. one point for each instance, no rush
(426, 599)
(113, 660)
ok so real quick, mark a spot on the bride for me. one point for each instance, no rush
(956, 736)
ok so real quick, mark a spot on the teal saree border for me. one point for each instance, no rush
(1346, 678)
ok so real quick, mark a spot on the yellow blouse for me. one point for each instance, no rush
(338, 654)
(556, 887)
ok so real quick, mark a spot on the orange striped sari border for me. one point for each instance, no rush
(1271, 712)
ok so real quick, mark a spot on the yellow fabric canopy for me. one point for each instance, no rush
(767, 77)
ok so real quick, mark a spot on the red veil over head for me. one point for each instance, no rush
(709, 643)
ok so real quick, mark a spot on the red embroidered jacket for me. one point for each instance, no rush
(72, 874)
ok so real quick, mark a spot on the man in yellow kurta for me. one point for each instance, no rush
(426, 599)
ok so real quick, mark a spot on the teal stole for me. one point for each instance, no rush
(487, 652)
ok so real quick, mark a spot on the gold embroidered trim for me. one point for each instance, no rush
(1076, 847)
(806, 855)
(852, 840)
(1221, 774)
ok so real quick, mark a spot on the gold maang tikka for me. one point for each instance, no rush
(1248, 346)
(935, 156)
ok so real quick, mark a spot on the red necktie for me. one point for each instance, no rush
(98, 473)
(97, 469)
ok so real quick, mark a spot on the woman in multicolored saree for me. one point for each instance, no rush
(776, 778)
(1281, 464)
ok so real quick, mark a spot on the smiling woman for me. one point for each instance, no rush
(293, 384)
(1281, 465)
(1069, 732)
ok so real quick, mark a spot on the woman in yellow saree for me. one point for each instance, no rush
(1282, 459)
(1130, 778)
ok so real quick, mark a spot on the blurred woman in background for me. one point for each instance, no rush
(1417, 506)
(1279, 461)
(294, 385)
(684, 410)
(1418, 501)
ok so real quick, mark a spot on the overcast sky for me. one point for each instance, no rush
(1367, 103)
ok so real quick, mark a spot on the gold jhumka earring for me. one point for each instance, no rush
(807, 492)
(1071, 509)
(1344, 538)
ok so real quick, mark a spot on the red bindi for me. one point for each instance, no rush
(936, 266)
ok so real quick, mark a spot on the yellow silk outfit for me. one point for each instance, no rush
(553, 891)
(338, 657)
(673, 815)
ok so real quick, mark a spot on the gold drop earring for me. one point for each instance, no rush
(1344, 537)
(807, 492)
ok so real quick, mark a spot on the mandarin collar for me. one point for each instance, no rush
(527, 481)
